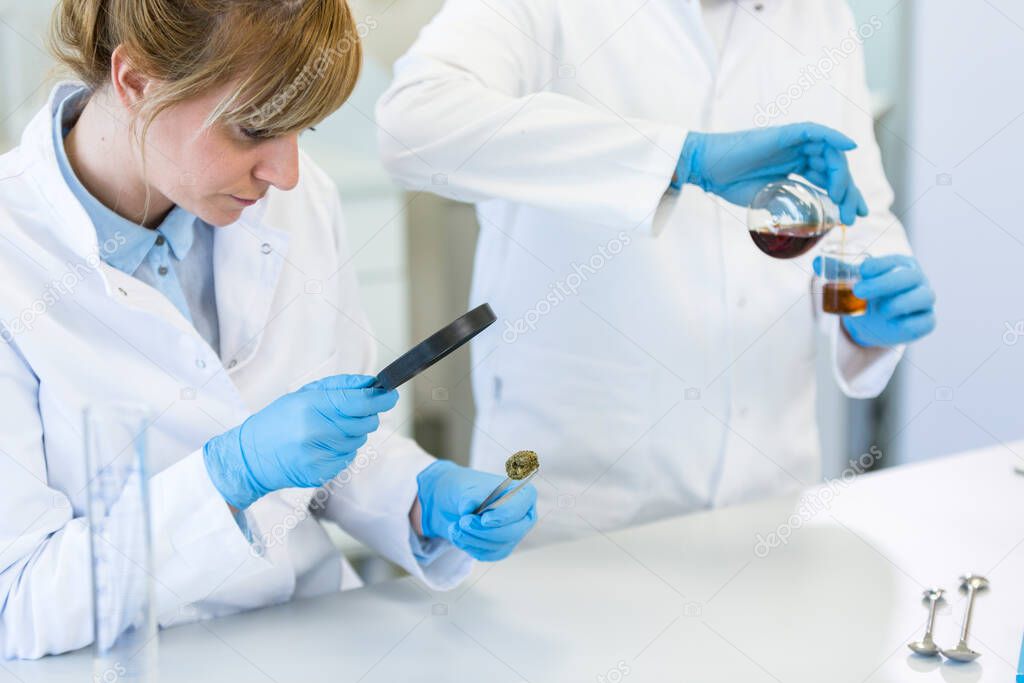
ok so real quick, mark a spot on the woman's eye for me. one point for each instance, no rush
(260, 134)
(253, 133)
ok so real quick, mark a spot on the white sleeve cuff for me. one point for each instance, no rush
(426, 550)
(862, 372)
(654, 206)
(371, 500)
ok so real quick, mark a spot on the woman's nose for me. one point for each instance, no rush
(280, 165)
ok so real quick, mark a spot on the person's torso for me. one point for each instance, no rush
(658, 374)
(90, 333)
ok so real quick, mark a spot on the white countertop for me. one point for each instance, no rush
(688, 598)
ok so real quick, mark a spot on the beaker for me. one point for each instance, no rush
(788, 217)
(840, 271)
(124, 618)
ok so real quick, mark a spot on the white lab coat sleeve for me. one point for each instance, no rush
(371, 501)
(471, 116)
(45, 589)
(371, 498)
(861, 372)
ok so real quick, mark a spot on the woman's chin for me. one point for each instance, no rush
(221, 217)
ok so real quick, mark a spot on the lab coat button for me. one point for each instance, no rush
(266, 248)
(232, 364)
(200, 363)
(741, 302)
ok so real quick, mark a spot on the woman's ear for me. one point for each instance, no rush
(129, 83)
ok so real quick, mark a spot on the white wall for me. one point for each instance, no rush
(25, 65)
(962, 387)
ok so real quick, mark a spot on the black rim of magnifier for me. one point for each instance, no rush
(435, 347)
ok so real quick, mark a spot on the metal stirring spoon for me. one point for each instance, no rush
(926, 646)
(971, 584)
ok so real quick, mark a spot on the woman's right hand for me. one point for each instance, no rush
(302, 439)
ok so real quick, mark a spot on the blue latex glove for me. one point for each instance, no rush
(901, 303)
(302, 439)
(735, 166)
(448, 494)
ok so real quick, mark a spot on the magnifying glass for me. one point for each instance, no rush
(435, 347)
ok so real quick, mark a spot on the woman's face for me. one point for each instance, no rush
(215, 173)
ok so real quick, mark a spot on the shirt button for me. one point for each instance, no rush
(160, 240)
(200, 363)
(162, 270)
(265, 248)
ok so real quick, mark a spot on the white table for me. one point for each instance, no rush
(683, 599)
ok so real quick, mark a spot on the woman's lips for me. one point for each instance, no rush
(244, 202)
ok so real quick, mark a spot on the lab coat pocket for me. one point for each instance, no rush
(583, 414)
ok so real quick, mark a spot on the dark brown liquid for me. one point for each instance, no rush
(838, 298)
(796, 240)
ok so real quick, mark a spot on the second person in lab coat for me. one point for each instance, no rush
(658, 360)
(167, 245)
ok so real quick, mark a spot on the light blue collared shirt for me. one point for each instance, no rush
(176, 258)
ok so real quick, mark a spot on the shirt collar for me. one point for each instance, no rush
(178, 228)
(133, 241)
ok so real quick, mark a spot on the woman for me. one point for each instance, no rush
(160, 229)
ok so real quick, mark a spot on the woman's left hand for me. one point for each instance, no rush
(448, 494)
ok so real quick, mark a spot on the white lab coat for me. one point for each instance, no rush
(78, 331)
(657, 361)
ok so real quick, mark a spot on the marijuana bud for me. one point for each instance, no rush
(521, 464)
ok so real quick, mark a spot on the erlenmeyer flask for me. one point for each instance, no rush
(788, 217)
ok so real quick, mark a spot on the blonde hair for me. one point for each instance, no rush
(294, 62)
